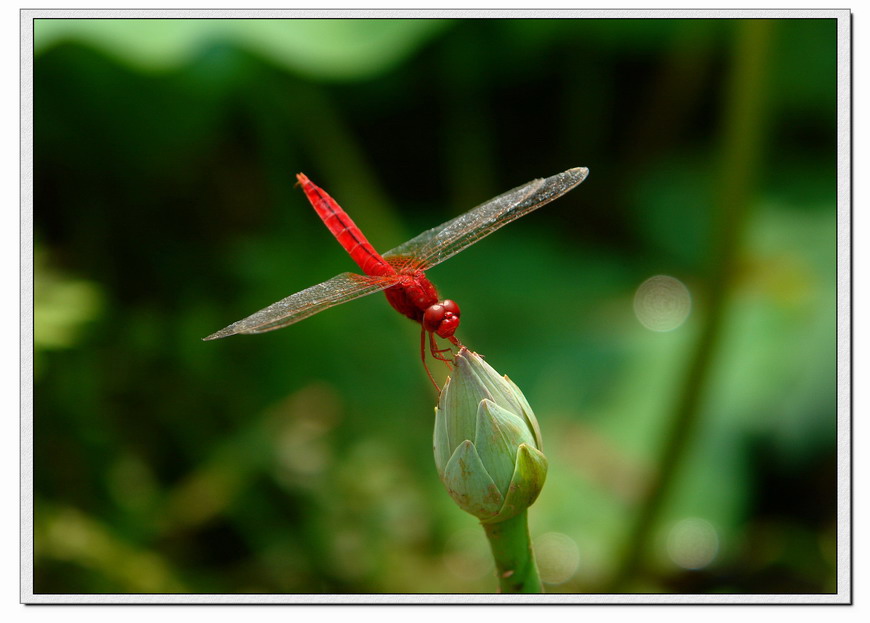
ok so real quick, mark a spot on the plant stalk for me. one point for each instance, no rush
(742, 143)
(514, 559)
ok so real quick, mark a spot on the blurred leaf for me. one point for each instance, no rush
(69, 535)
(318, 48)
(62, 305)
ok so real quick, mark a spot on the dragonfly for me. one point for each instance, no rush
(401, 272)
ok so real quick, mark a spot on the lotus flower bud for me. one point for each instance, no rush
(487, 442)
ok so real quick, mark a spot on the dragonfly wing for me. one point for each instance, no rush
(439, 243)
(339, 289)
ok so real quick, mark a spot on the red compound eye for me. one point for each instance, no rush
(432, 317)
(448, 326)
(442, 318)
(450, 306)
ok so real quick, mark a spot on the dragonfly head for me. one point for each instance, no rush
(442, 318)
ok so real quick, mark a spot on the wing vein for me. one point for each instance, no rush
(440, 243)
(296, 307)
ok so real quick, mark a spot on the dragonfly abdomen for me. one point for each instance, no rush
(344, 229)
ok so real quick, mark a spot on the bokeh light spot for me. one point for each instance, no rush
(662, 303)
(558, 557)
(693, 543)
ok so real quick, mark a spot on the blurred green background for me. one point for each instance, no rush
(689, 424)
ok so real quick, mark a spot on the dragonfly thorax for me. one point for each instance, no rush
(415, 297)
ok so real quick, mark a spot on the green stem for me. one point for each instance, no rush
(514, 559)
(742, 143)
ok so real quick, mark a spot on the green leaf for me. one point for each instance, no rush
(499, 433)
(469, 484)
(440, 444)
(333, 49)
(526, 484)
(527, 412)
(458, 404)
(497, 388)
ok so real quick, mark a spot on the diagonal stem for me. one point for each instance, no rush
(741, 150)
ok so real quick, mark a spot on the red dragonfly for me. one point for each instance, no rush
(401, 272)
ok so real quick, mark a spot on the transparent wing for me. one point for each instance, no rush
(439, 243)
(339, 289)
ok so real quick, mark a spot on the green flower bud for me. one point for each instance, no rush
(487, 442)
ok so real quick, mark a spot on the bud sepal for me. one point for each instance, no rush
(487, 442)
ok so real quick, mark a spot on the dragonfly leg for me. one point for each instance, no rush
(423, 357)
(438, 353)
